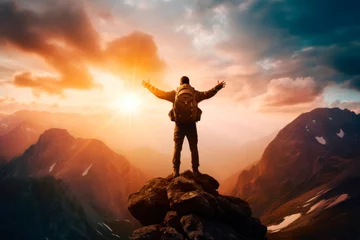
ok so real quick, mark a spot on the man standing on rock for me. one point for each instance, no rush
(185, 113)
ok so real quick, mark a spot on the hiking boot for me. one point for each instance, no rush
(196, 172)
(175, 173)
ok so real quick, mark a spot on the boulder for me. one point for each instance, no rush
(199, 202)
(157, 232)
(189, 207)
(152, 232)
(172, 219)
(169, 233)
(240, 203)
(208, 183)
(180, 185)
(232, 210)
(196, 227)
(150, 204)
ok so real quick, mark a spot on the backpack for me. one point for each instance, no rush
(185, 108)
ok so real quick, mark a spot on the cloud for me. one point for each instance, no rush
(6, 100)
(64, 36)
(287, 91)
(287, 39)
(355, 83)
(351, 105)
(135, 57)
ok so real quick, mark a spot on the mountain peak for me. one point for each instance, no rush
(60, 136)
(56, 133)
(329, 112)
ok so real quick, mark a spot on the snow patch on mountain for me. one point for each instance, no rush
(52, 167)
(338, 200)
(313, 198)
(305, 205)
(328, 203)
(321, 140)
(318, 194)
(320, 205)
(286, 222)
(31, 130)
(86, 171)
(341, 133)
(107, 227)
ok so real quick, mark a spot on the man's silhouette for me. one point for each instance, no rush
(185, 114)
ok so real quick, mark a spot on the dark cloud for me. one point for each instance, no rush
(314, 38)
(63, 35)
(355, 83)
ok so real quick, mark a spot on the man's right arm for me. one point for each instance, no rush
(169, 96)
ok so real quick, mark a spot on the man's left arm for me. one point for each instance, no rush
(210, 93)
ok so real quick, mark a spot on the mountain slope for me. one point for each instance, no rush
(326, 213)
(245, 157)
(302, 172)
(16, 138)
(44, 209)
(100, 178)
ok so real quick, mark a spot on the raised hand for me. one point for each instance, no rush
(220, 85)
(146, 84)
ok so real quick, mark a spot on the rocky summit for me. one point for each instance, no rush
(190, 207)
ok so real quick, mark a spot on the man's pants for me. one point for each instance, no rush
(190, 131)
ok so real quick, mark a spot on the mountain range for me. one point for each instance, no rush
(98, 176)
(303, 186)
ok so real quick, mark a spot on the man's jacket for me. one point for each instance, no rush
(170, 96)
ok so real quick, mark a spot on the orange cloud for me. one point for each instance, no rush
(63, 35)
(135, 57)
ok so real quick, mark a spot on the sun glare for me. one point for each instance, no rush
(129, 103)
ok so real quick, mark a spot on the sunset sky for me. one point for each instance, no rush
(278, 57)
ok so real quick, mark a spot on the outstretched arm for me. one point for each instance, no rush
(210, 93)
(169, 96)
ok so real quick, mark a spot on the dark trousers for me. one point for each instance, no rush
(190, 132)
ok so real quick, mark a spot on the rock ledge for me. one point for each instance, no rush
(189, 207)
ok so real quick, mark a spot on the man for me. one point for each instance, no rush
(185, 114)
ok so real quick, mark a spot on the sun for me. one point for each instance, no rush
(129, 103)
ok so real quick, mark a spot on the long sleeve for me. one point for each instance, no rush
(200, 96)
(169, 96)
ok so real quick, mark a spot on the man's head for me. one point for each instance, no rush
(184, 80)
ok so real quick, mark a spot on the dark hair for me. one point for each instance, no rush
(184, 80)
